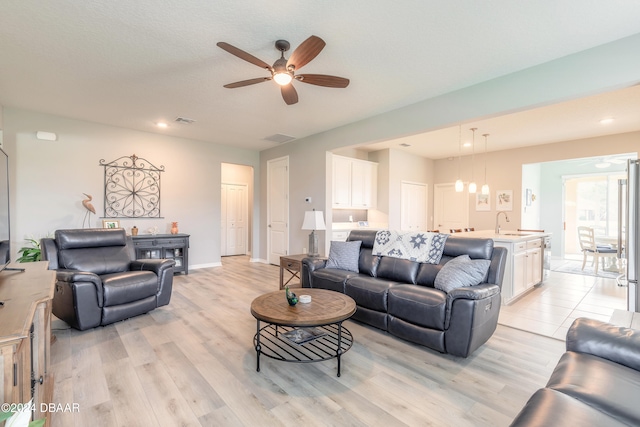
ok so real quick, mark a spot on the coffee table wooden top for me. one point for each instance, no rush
(325, 307)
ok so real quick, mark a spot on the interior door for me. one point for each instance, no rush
(234, 219)
(277, 209)
(451, 209)
(413, 208)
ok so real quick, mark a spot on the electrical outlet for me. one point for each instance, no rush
(304, 250)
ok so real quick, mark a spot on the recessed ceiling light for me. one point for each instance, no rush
(606, 121)
(162, 124)
(404, 144)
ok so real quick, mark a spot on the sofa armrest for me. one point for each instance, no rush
(309, 265)
(76, 277)
(615, 343)
(163, 268)
(154, 265)
(473, 292)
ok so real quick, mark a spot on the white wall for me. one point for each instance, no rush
(505, 173)
(611, 66)
(48, 178)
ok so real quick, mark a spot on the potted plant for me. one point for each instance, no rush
(30, 253)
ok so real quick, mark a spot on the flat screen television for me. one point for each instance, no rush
(5, 236)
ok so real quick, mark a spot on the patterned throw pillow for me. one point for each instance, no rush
(460, 272)
(344, 255)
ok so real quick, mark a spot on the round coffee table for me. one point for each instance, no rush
(310, 332)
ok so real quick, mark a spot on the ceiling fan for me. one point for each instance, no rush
(283, 70)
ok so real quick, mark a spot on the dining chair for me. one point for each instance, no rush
(455, 230)
(470, 229)
(588, 245)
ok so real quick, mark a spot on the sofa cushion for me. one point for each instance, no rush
(397, 270)
(418, 305)
(368, 292)
(461, 272)
(551, 408)
(604, 385)
(120, 288)
(331, 278)
(368, 263)
(427, 273)
(344, 255)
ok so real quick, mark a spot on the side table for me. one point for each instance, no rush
(293, 265)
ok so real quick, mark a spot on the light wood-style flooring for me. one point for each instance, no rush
(192, 363)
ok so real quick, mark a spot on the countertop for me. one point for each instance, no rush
(507, 236)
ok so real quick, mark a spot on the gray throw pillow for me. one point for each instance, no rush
(344, 255)
(460, 272)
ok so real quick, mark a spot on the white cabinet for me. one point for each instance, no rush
(340, 236)
(523, 269)
(354, 183)
(341, 182)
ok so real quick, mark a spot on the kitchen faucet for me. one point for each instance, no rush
(498, 217)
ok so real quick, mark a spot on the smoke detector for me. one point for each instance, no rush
(184, 120)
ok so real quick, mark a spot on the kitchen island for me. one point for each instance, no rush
(525, 258)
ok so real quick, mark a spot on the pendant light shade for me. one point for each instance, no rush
(472, 184)
(485, 187)
(459, 186)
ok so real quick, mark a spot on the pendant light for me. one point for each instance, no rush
(485, 187)
(472, 184)
(459, 184)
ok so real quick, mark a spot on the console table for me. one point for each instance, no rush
(25, 335)
(164, 246)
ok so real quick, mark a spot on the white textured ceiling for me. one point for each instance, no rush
(134, 63)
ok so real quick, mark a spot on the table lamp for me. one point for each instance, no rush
(313, 221)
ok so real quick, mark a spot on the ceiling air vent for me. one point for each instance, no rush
(184, 120)
(279, 138)
(404, 144)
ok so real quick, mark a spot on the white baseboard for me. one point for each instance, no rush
(263, 261)
(198, 266)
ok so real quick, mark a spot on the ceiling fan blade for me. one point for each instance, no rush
(243, 55)
(323, 80)
(289, 94)
(247, 82)
(308, 49)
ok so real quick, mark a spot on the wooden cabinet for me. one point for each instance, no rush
(25, 335)
(523, 269)
(354, 183)
(165, 246)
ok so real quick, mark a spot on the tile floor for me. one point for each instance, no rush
(553, 305)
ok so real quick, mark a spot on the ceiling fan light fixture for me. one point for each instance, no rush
(282, 78)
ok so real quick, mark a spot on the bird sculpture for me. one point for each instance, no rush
(90, 209)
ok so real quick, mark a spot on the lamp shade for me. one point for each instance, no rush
(313, 220)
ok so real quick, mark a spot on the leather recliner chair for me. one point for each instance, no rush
(98, 279)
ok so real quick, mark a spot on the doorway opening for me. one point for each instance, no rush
(236, 209)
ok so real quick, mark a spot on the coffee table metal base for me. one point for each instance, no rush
(270, 341)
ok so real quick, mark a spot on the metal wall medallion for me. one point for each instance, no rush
(131, 188)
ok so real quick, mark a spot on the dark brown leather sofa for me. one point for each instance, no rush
(399, 296)
(98, 280)
(596, 382)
